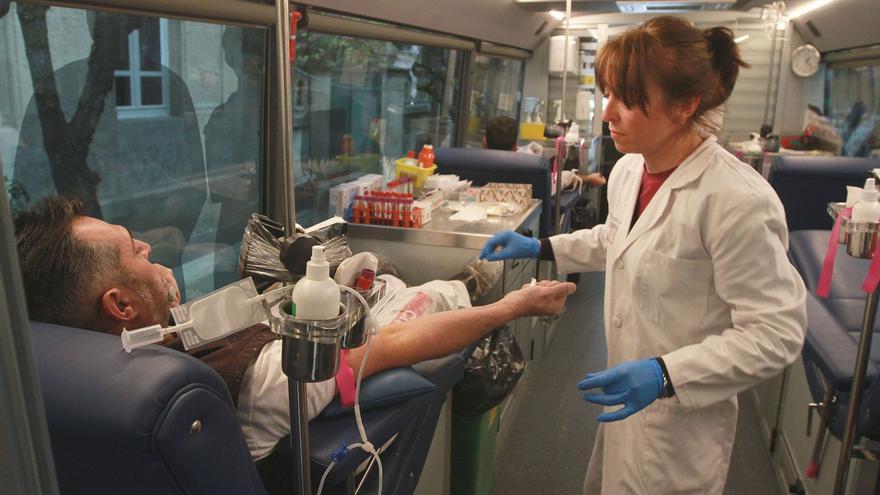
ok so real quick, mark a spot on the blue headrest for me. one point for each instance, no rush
(123, 423)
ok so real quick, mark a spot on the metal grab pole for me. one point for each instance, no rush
(560, 162)
(299, 436)
(855, 400)
(299, 418)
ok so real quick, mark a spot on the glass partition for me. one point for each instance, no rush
(359, 104)
(153, 123)
(496, 89)
(853, 106)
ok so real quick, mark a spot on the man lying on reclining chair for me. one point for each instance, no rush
(83, 272)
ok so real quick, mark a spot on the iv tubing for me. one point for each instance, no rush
(365, 444)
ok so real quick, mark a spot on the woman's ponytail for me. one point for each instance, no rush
(725, 56)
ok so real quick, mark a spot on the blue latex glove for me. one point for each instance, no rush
(514, 246)
(635, 384)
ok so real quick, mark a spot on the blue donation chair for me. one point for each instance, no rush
(806, 185)
(159, 421)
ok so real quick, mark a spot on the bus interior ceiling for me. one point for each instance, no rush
(181, 147)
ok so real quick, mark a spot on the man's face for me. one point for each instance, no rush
(150, 287)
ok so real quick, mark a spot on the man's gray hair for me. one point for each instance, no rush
(63, 276)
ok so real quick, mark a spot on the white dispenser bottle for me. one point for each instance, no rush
(867, 209)
(316, 295)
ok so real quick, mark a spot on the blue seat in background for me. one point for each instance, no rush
(483, 166)
(806, 185)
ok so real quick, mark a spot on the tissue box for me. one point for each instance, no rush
(498, 192)
(341, 196)
(425, 207)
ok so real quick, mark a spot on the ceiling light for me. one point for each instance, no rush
(807, 7)
(672, 6)
(740, 39)
(557, 15)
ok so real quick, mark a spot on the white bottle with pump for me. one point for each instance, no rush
(316, 295)
(867, 209)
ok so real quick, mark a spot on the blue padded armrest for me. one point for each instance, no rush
(381, 424)
(806, 184)
(831, 347)
(383, 389)
(831, 351)
(122, 423)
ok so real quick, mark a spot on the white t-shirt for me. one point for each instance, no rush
(263, 404)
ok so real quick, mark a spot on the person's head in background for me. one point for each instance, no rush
(83, 272)
(665, 82)
(501, 134)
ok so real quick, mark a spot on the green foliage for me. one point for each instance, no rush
(319, 53)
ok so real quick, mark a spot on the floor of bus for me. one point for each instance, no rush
(551, 432)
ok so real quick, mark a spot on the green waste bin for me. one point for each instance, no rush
(473, 452)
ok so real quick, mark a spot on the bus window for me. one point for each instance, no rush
(358, 103)
(853, 99)
(153, 123)
(496, 89)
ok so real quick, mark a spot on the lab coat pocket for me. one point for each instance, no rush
(686, 451)
(673, 293)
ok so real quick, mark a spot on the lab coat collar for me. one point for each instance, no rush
(688, 171)
(693, 166)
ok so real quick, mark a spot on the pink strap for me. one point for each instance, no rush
(873, 277)
(828, 265)
(345, 380)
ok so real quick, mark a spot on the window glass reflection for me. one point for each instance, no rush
(122, 126)
(496, 89)
(854, 108)
(359, 104)
(149, 44)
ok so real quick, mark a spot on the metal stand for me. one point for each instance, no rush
(310, 352)
(861, 242)
(299, 434)
(846, 447)
(560, 162)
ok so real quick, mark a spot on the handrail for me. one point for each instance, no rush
(237, 12)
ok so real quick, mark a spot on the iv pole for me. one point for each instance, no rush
(560, 160)
(299, 427)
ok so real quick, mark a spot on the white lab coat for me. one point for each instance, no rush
(702, 279)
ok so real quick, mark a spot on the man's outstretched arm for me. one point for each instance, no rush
(438, 334)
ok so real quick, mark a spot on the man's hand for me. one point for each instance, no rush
(594, 179)
(547, 297)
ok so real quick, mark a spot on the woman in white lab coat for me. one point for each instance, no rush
(701, 301)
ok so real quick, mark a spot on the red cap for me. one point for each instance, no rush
(365, 281)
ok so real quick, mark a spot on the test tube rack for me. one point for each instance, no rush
(388, 208)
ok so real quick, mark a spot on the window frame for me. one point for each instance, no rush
(134, 74)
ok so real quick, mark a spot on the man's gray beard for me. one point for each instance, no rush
(160, 311)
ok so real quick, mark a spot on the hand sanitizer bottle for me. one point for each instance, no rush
(867, 209)
(316, 295)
